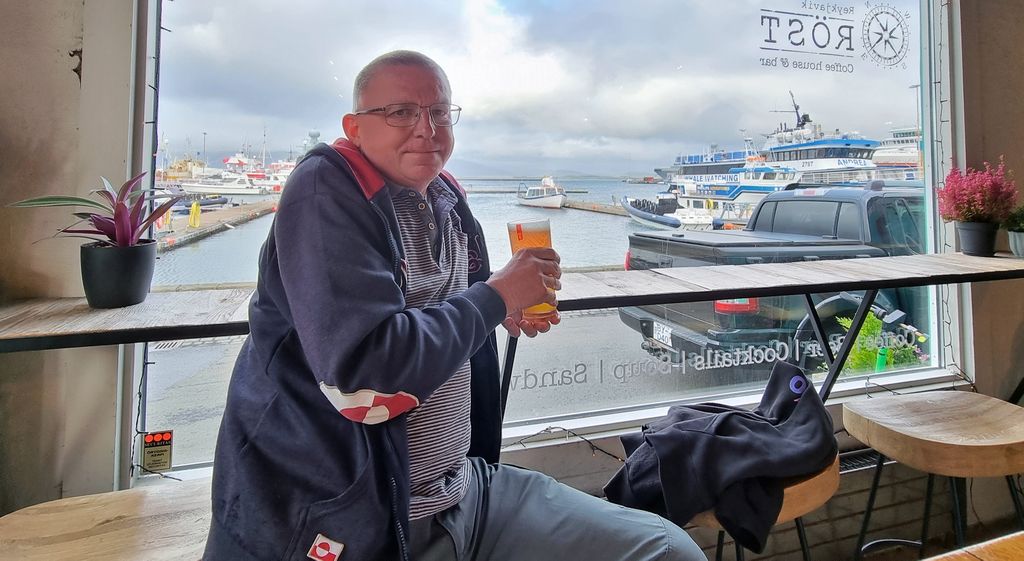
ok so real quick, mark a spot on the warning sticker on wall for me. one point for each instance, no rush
(156, 450)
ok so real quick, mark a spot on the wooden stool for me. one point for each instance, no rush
(951, 433)
(801, 496)
(162, 522)
(1005, 548)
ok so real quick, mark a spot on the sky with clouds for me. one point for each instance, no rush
(599, 87)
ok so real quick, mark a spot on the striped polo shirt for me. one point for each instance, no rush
(439, 428)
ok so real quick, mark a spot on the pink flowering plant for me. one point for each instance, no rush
(987, 195)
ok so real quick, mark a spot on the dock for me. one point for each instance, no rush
(176, 232)
(596, 207)
(489, 191)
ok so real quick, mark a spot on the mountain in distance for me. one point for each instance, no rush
(464, 168)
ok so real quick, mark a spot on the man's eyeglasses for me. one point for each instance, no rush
(408, 114)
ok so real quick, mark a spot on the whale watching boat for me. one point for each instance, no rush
(734, 201)
(820, 156)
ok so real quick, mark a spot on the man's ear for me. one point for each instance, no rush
(350, 125)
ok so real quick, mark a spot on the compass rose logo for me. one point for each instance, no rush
(886, 35)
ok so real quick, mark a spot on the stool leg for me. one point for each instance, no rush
(802, 534)
(858, 553)
(956, 485)
(1014, 494)
(927, 514)
(739, 550)
(721, 545)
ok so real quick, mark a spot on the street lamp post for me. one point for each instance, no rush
(917, 107)
(206, 163)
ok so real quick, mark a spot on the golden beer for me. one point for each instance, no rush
(532, 233)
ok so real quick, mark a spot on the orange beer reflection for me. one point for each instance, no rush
(532, 233)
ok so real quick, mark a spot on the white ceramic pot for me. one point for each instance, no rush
(1017, 243)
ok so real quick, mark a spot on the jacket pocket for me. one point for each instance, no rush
(358, 519)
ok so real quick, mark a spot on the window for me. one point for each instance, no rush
(849, 222)
(234, 104)
(814, 218)
(765, 215)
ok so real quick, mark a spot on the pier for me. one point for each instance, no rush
(177, 232)
(489, 191)
(596, 207)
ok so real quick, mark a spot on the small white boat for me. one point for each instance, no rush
(664, 213)
(545, 195)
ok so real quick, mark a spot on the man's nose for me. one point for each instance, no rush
(424, 126)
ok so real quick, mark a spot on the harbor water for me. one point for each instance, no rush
(582, 238)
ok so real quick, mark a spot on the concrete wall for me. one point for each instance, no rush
(58, 134)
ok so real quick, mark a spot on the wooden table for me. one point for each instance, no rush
(1005, 548)
(69, 322)
(55, 323)
(584, 291)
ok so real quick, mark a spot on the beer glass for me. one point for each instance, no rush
(532, 233)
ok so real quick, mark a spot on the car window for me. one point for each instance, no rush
(849, 222)
(763, 222)
(815, 218)
(895, 234)
(895, 227)
(911, 229)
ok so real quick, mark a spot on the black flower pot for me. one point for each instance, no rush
(977, 238)
(115, 277)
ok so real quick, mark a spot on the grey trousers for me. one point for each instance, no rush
(511, 514)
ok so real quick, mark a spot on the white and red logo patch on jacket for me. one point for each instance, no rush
(368, 406)
(325, 549)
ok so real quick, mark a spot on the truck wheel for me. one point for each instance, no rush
(811, 364)
(828, 310)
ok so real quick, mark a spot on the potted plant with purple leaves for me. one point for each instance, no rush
(118, 262)
(978, 201)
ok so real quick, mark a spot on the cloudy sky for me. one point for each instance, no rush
(548, 86)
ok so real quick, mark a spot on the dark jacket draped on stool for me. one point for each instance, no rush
(709, 455)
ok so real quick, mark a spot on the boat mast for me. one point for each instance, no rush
(264, 154)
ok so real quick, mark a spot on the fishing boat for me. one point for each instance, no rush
(233, 185)
(664, 213)
(546, 195)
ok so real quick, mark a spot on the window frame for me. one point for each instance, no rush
(934, 57)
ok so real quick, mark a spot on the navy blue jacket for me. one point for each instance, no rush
(709, 455)
(313, 442)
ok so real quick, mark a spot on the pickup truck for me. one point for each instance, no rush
(736, 341)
